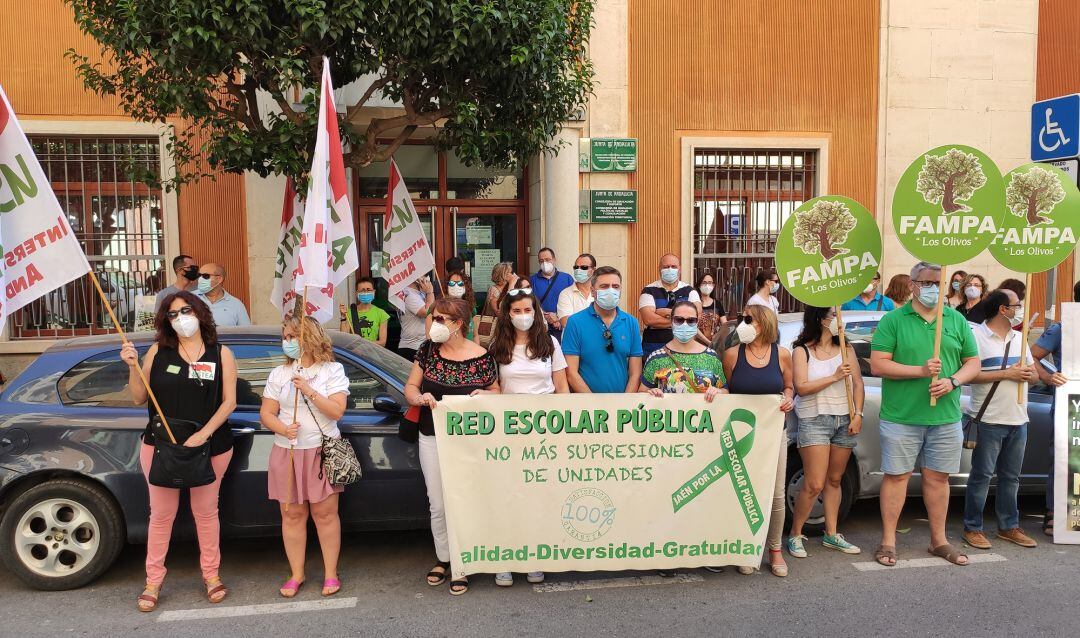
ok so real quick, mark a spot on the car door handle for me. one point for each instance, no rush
(246, 430)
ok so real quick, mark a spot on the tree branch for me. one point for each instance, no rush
(286, 108)
(375, 86)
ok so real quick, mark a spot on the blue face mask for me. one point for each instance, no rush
(291, 348)
(607, 298)
(669, 275)
(365, 297)
(581, 276)
(685, 333)
(204, 285)
(956, 285)
(928, 295)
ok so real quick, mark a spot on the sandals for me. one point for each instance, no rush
(949, 553)
(292, 586)
(780, 570)
(436, 578)
(459, 586)
(330, 584)
(1048, 523)
(885, 553)
(149, 597)
(214, 586)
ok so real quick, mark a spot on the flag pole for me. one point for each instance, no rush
(138, 366)
(296, 400)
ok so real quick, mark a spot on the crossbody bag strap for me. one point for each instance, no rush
(689, 377)
(551, 285)
(994, 387)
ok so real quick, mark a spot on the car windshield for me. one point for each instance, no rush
(392, 364)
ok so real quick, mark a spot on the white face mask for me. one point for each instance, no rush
(456, 291)
(833, 326)
(971, 292)
(547, 267)
(439, 333)
(522, 322)
(869, 289)
(706, 289)
(773, 288)
(185, 325)
(746, 332)
(1017, 318)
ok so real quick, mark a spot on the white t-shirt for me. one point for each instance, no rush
(571, 300)
(772, 302)
(1003, 408)
(325, 378)
(413, 328)
(530, 376)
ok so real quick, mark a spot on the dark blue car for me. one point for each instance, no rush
(71, 489)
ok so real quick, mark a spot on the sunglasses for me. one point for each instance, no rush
(206, 275)
(455, 284)
(173, 314)
(610, 341)
(441, 319)
(746, 319)
(514, 292)
(582, 267)
(678, 321)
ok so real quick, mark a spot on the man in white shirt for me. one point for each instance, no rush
(1002, 423)
(657, 298)
(579, 296)
(419, 297)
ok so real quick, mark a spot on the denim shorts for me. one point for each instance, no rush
(826, 429)
(934, 447)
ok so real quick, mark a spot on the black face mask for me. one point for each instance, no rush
(191, 273)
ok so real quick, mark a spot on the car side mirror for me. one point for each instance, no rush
(386, 403)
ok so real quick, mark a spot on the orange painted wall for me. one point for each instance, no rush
(41, 84)
(1057, 73)
(783, 67)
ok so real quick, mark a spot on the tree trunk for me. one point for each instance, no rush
(826, 249)
(948, 203)
(1033, 216)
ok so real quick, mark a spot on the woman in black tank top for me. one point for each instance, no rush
(759, 366)
(193, 378)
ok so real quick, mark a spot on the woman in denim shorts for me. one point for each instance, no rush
(826, 432)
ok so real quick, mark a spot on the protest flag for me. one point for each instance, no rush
(44, 253)
(406, 252)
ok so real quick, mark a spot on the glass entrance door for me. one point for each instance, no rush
(484, 237)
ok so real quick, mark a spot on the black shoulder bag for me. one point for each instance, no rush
(175, 465)
(971, 428)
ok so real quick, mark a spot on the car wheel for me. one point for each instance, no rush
(61, 534)
(815, 522)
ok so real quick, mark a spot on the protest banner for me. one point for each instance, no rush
(44, 254)
(406, 253)
(607, 481)
(1066, 461)
(1041, 228)
(826, 254)
(946, 209)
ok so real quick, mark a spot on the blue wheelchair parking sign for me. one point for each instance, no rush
(1055, 128)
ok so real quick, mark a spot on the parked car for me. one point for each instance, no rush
(71, 488)
(863, 476)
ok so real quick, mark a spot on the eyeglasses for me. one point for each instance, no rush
(923, 282)
(582, 267)
(1014, 305)
(678, 321)
(514, 292)
(173, 314)
(610, 341)
(455, 284)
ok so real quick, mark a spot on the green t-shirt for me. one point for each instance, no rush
(910, 339)
(661, 372)
(367, 323)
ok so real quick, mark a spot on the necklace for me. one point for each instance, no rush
(760, 357)
(190, 360)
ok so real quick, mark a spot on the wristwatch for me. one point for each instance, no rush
(955, 383)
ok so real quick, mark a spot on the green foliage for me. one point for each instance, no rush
(823, 228)
(950, 178)
(1034, 194)
(497, 77)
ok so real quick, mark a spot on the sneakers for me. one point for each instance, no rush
(977, 539)
(795, 546)
(1016, 535)
(535, 577)
(504, 579)
(838, 542)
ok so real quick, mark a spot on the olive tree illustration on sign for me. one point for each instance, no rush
(1033, 195)
(950, 179)
(822, 229)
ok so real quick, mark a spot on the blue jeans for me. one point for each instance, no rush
(1001, 448)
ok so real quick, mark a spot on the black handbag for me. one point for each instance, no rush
(409, 425)
(174, 465)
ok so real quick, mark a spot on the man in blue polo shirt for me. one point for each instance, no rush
(547, 283)
(602, 344)
(871, 298)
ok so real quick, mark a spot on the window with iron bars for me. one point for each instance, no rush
(742, 197)
(118, 221)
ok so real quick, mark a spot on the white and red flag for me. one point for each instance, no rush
(317, 251)
(40, 252)
(406, 253)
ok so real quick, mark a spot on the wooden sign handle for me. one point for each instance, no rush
(937, 323)
(843, 361)
(1021, 388)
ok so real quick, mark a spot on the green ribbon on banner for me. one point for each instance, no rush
(731, 463)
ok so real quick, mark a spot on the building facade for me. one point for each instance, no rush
(741, 111)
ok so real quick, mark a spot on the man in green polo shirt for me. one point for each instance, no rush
(902, 354)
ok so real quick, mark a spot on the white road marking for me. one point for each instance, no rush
(257, 610)
(608, 583)
(929, 561)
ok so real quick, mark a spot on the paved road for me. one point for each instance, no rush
(1008, 591)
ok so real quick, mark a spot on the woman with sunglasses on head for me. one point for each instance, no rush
(826, 429)
(759, 366)
(447, 363)
(530, 362)
(316, 384)
(955, 297)
(459, 286)
(203, 393)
